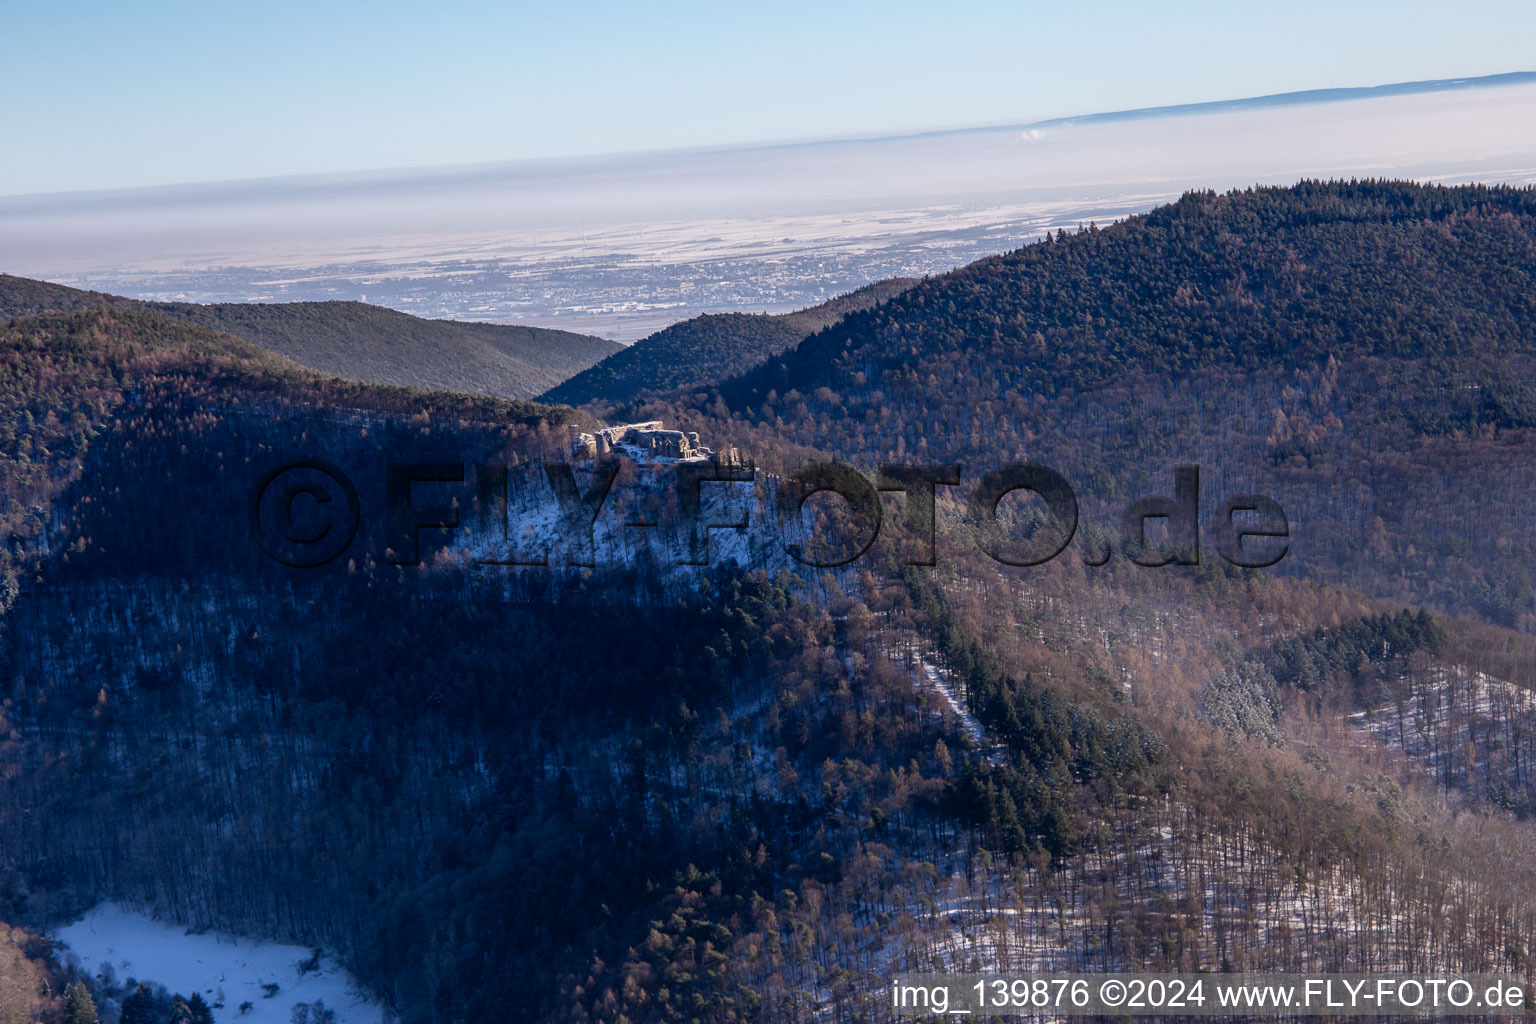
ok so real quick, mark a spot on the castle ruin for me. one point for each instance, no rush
(648, 443)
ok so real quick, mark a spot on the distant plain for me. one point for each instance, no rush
(621, 246)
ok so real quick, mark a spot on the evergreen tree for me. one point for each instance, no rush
(201, 1014)
(139, 1008)
(79, 1007)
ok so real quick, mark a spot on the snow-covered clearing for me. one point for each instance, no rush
(225, 969)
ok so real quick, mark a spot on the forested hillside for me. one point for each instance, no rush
(1270, 279)
(1362, 352)
(709, 348)
(649, 792)
(66, 377)
(359, 342)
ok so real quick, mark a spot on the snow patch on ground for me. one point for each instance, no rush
(140, 947)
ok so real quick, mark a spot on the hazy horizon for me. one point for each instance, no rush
(183, 92)
(622, 244)
(429, 169)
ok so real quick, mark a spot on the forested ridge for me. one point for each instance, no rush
(639, 793)
(71, 380)
(1271, 278)
(705, 349)
(1363, 352)
(359, 342)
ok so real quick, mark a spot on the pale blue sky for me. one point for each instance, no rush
(114, 94)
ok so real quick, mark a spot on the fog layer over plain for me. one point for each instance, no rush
(622, 245)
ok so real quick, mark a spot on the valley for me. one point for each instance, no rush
(635, 787)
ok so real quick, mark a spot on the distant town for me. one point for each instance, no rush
(617, 286)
